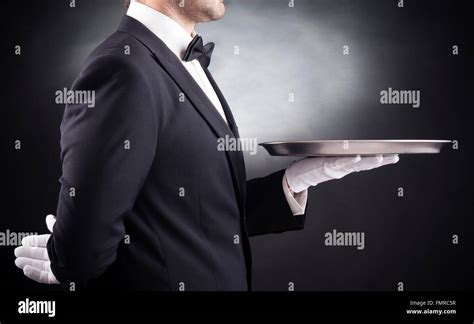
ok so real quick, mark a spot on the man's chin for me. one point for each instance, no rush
(221, 12)
(217, 14)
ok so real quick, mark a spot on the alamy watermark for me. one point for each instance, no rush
(335, 238)
(69, 97)
(10, 238)
(400, 97)
(228, 143)
(28, 306)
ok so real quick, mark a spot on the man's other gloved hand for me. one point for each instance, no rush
(32, 256)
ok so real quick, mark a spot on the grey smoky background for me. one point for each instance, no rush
(285, 53)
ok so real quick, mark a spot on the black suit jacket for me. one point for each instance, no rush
(147, 201)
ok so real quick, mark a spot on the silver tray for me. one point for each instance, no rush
(353, 147)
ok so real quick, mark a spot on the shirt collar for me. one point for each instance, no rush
(165, 28)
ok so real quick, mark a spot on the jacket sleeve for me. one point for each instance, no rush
(106, 152)
(266, 208)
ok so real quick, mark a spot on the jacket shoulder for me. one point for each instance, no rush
(119, 55)
(121, 44)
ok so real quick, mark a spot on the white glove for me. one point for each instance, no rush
(304, 173)
(32, 256)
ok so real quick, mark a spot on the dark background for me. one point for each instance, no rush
(285, 50)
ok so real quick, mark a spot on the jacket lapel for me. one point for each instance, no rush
(238, 158)
(194, 93)
(225, 106)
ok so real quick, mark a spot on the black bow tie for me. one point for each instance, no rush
(197, 50)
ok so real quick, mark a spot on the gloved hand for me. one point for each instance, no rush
(311, 171)
(33, 258)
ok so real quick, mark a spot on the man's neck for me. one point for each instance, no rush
(165, 8)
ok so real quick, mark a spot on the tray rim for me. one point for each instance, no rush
(356, 140)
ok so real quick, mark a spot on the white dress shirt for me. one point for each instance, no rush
(177, 40)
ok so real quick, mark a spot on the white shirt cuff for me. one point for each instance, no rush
(296, 201)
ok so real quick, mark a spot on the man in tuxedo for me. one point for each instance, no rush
(147, 201)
